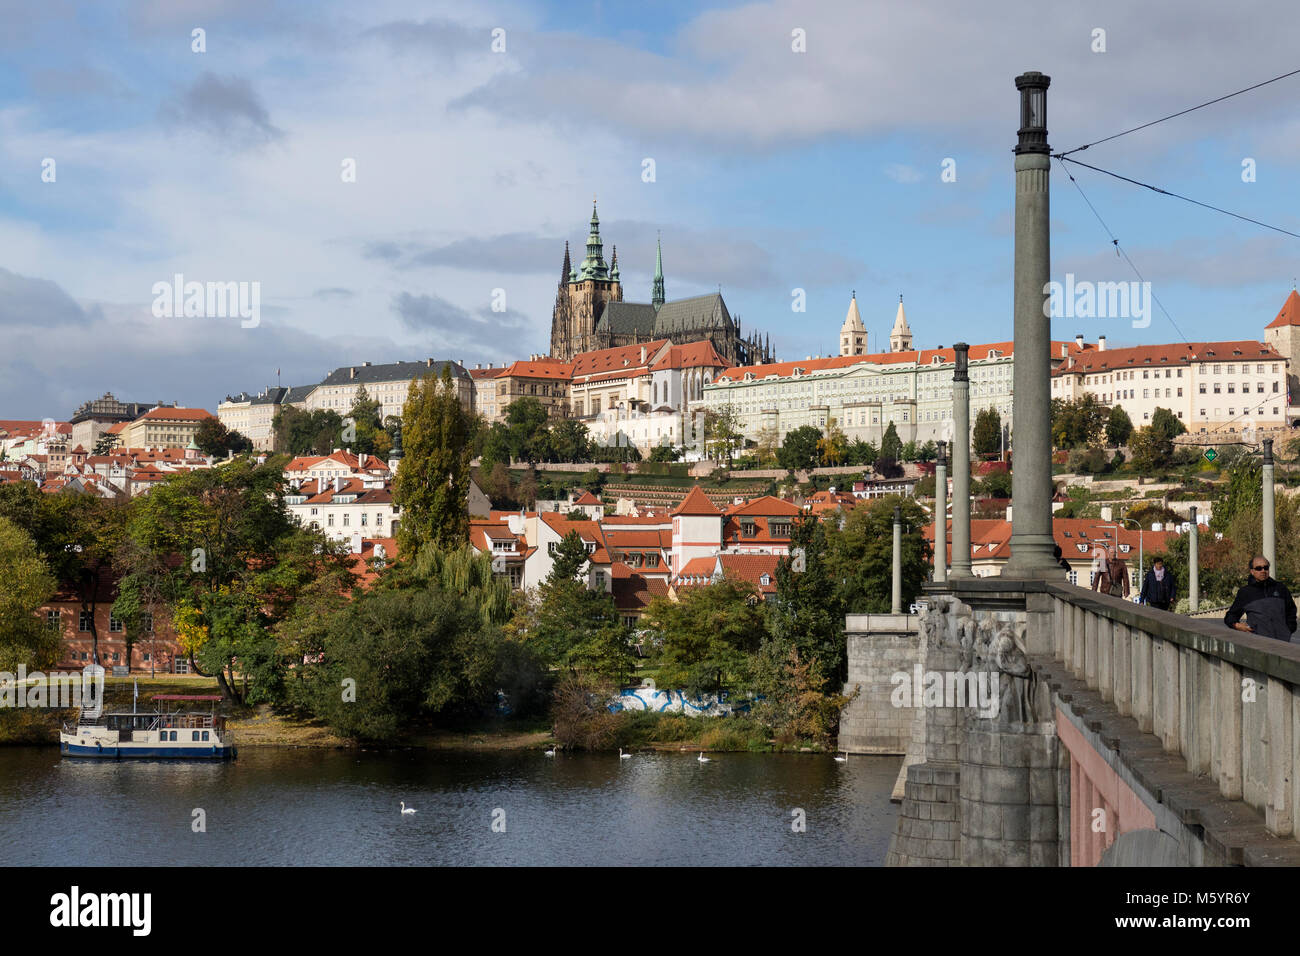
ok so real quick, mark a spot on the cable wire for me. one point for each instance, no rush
(1191, 109)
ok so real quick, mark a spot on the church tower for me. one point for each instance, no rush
(900, 336)
(581, 297)
(1283, 333)
(853, 334)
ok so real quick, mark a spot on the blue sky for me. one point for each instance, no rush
(774, 171)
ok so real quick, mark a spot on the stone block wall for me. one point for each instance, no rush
(879, 646)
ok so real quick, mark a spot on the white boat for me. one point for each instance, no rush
(160, 735)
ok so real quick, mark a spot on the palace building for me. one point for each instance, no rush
(590, 313)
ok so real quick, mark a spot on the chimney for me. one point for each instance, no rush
(428, 363)
(361, 460)
(1101, 343)
(643, 355)
(356, 542)
(478, 365)
(1078, 340)
(338, 484)
(352, 372)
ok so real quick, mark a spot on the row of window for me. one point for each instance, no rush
(1245, 388)
(53, 620)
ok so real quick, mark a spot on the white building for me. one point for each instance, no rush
(341, 507)
(1211, 387)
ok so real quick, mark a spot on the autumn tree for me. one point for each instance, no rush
(432, 483)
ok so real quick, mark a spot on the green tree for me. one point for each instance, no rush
(1118, 427)
(1167, 424)
(927, 452)
(1152, 450)
(296, 431)
(707, 635)
(890, 445)
(28, 584)
(363, 429)
(861, 452)
(569, 626)
(860, 555)
(432, 483)
(569, 441)
(910, 451)
(808, 614)
(996, 485)
(799, 450)
(987, 435)
(212, 437)
(525, 422)
(1077, 423)
(832, 445)
(722, 433)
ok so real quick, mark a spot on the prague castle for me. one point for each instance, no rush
(590, 313)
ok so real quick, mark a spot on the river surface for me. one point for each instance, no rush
(327, 807)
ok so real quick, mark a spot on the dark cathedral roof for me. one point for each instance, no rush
(673, 318)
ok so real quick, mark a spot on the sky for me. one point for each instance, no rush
(777, 148)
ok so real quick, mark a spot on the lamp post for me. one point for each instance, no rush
(1032, 543)
(941, 515)
(1270, 515)
(961, 463)
(896, 601)
(1193, 567)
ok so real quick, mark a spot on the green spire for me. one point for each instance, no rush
(657, 295)
(593, 267)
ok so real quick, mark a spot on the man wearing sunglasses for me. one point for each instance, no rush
(1267, 604)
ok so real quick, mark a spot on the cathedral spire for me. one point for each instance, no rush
(613, 265)
(593, 266)
(567, 271)
(657, 293)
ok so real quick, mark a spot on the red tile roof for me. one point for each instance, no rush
(620, 359)
(1184, 353)
(1290, 314)
(176, 414)
(921, 357)
(691, 355)
(587, 498)
(547, 368)
(696, 503)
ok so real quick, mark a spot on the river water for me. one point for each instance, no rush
(328, 807)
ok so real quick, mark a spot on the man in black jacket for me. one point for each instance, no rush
(1267, 603)
(1158, 586)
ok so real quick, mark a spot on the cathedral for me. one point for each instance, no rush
(590, 313)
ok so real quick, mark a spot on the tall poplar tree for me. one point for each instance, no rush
(432, 484)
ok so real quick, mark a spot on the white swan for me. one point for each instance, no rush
(623, 756)
(551, 752)
(702, 758)
(844, 759)
(406, 809)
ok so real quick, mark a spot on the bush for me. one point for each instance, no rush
(580, 716)
(1089, 461)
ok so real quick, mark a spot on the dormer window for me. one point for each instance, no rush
(765, 580)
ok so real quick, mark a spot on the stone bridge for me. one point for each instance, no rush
(1119, 734)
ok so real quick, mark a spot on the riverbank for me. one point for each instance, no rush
(261, 726)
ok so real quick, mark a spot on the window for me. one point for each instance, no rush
(146, 621)
(116, 657)
(1146, 373)
(1146, 393)
(1231, 369)
(194, 735)
(779, 529)
(114, 625)
(652, 560)
(205, 735)
(1231, 388)
(1202, 388)
(1216, 388)
(363, 519)
(1146, 415)
(1259, 387)
(346, 519)
(83, 622)
(330, 520)
(52, 620)
(379, 519)
(1275, 386)
(748, 528)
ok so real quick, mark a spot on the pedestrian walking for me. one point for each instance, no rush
(1158, 588)
(1100, 582)
(1117, 572)
(1266, 603)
